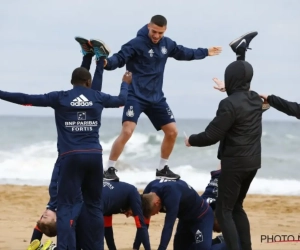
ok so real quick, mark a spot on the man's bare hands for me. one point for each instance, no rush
(105, 63)
(127, 77)
(220, 85)
(265, 97)
(214, 51)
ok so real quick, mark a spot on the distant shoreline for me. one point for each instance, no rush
(145, 118)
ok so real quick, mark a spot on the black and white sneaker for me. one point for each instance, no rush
(100, 48)
(166, 173)
(243, 41)
(219, 239)
(110, 174)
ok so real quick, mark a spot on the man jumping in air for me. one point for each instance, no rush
(146, 56)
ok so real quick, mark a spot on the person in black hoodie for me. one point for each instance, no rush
(238, 128)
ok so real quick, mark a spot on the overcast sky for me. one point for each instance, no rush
(38, 51)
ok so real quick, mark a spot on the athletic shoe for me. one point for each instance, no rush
(48, 245)
(243, 41)
(85, 46)
(166, 173)
(110, 174)
(35, 245)
(100, 48)
(219, 239)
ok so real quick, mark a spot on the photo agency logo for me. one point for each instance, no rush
(279, 238)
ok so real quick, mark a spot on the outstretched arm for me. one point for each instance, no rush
(118, 60)
(120, 100)
(182, 53)
(46, 100)
(216, 129)
(289, 108)
(142, 235)
(171, 201)
(108, 233)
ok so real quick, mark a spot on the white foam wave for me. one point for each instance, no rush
(199, 180)
(136, 147)
(34, 173)
(33, 162)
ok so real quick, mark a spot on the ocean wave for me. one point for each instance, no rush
(32, 163)
(35, 173)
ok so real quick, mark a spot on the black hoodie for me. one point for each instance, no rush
(237, 124)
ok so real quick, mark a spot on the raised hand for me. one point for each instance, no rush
(220, 85)
(214, 51)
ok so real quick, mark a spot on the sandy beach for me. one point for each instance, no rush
(21, 207)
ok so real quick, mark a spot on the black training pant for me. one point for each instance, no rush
(234, 223)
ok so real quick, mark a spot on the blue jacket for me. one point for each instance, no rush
(179, 201)
(147, 61)
(118, 197)
(77, 114)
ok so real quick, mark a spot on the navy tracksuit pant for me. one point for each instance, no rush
(196, 234)
(80, 173)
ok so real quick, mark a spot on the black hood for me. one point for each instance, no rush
(238, 76)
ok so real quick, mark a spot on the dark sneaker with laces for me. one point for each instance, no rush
(110, 174)
(100, 48)
(243, 41)
(166, 173)
(85, 46)
(219, 239)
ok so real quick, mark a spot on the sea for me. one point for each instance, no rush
(28, 153)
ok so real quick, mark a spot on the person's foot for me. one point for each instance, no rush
(35, 245)
(219, 239)
(100, 48)
(110, 174)
(85, 46)
(166, 173)
(49, 245)
(243, 41)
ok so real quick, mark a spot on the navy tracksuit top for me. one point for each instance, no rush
(77, 114)
(179, 200)
(118, 197)
(147, 61)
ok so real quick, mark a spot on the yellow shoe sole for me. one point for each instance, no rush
(34, 245)
(46, 245)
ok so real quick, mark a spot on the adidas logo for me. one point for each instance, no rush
(81, 101)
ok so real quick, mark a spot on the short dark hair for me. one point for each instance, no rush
(49, 229)
(159, 20)
(80, 75)
(147, 205)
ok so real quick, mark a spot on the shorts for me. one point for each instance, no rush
(159, 113)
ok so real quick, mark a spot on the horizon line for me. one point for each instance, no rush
(179, 118)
